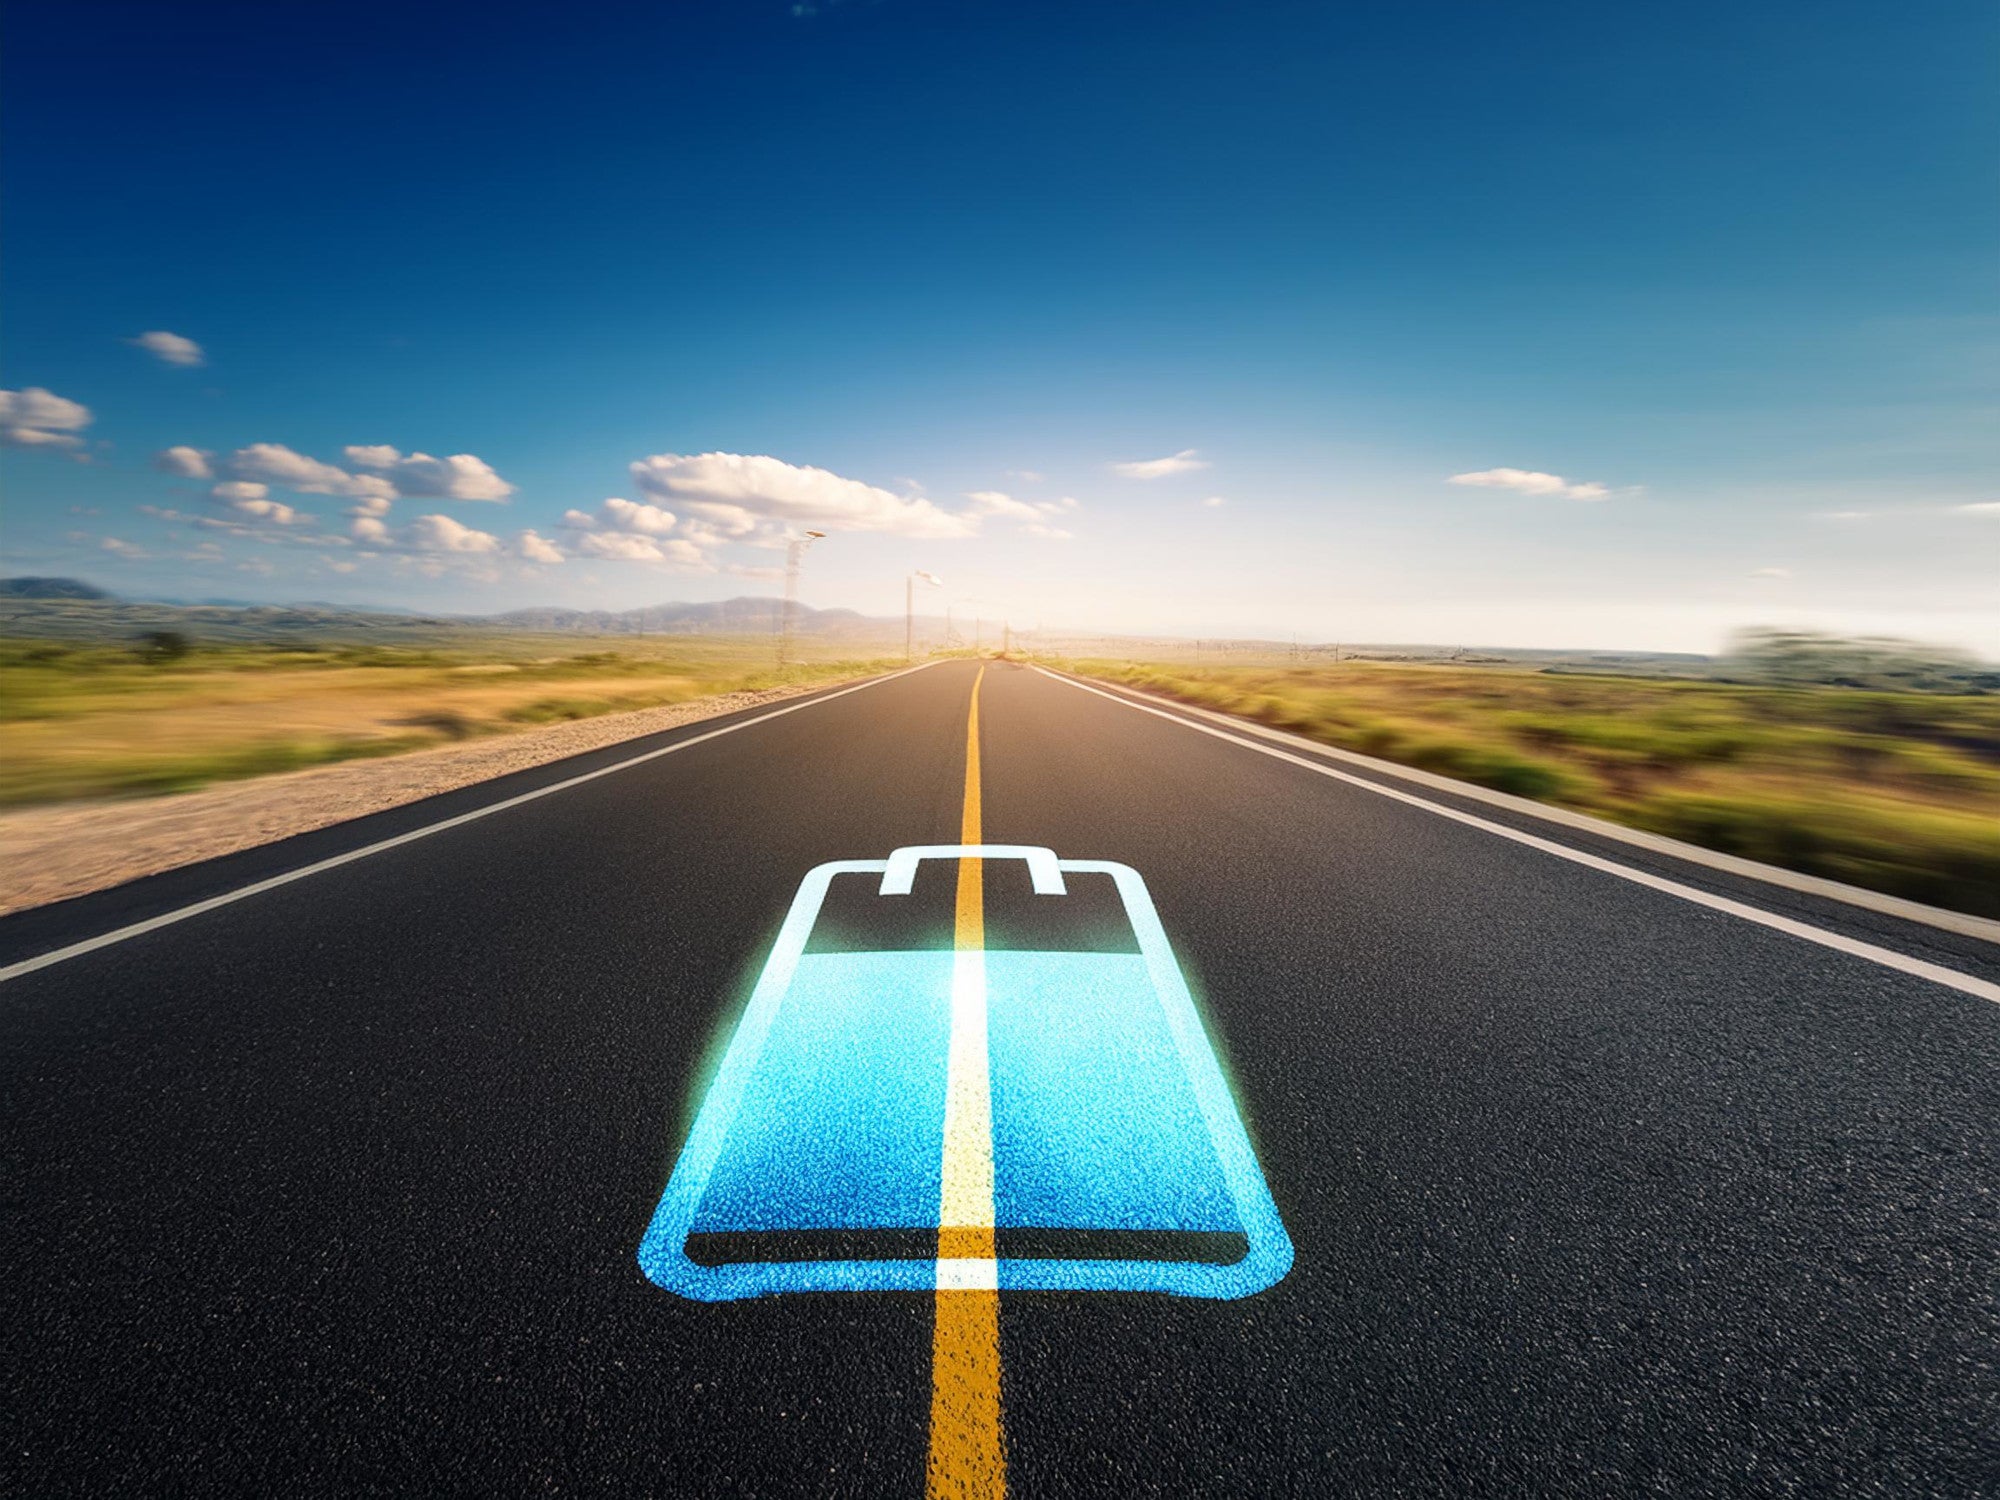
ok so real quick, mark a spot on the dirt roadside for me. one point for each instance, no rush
(52, 853)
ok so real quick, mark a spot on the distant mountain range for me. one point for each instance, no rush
(49, 588)
(749, 615)
(42, 606)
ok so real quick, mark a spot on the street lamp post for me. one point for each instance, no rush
(795, 550)
(910, 609)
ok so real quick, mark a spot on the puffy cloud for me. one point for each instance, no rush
(247, 498)
(1183, 462)
(1027, 476)
(36, 418)
(1531, 482)
(770, 489)
(170, 348)
(273, 511)
(634, 516)
(188, 463)
(537, 548)
(722, 520)
(118, 547)
(432, 533)
(625, 546)
(1030, 512)
(274, 463)
(1215, 502)
(994, 503)
(459, 477)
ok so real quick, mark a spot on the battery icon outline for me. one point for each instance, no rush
(663, 1251)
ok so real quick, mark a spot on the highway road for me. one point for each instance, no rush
(1580, 1183)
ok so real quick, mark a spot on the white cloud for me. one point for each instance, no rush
(370, 505)
(1844, 516)
(248, 498)
(1531, 482)
(773, 490)
(1026, 476)
(1770, 572)
(1029, 512)
(118, 547)
(1215, 502)
(188, 463)
(433, 533)
(459, 477)
(170, 348)
(1979, 508)
(274, 463)
(1183, 462)
(994, 503)
(36, 418)
(274, 511)
(537, 548)
(720, 520)
(634, 516)
(624, 546)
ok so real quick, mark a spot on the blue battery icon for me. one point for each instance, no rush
(830, 1152)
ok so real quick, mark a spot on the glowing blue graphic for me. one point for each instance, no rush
(1109, 1111)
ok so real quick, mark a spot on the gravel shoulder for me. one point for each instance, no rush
(54, 853)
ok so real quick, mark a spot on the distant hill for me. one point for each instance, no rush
(50, 588)
(42, 608)
(750, 615)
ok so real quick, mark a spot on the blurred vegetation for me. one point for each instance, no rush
(163, 711)
(1898, 791)
(1879, 663)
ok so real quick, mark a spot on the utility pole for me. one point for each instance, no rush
(795, 551)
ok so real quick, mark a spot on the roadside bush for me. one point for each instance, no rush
(1941, 857)
(157, 647)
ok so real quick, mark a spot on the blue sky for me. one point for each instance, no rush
(1693, 301)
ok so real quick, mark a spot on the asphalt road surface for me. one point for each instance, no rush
(1591, 1188)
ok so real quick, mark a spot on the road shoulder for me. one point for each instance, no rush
(58, 852)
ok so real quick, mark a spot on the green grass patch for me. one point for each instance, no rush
(1897, 792)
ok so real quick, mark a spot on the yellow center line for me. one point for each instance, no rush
(967, 1446)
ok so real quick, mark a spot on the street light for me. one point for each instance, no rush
(910, 609)
(795, 549)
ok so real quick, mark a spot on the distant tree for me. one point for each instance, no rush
(1805, 658)
(158, 647)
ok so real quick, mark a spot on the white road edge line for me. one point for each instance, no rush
(181, 914)
(1888, 958)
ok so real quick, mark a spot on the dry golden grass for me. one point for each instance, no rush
(1899, 792)
(96, 721)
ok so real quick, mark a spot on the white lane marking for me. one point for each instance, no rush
(181, 914)
(964, 1275)
(1888, 958)
(965, 1197)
